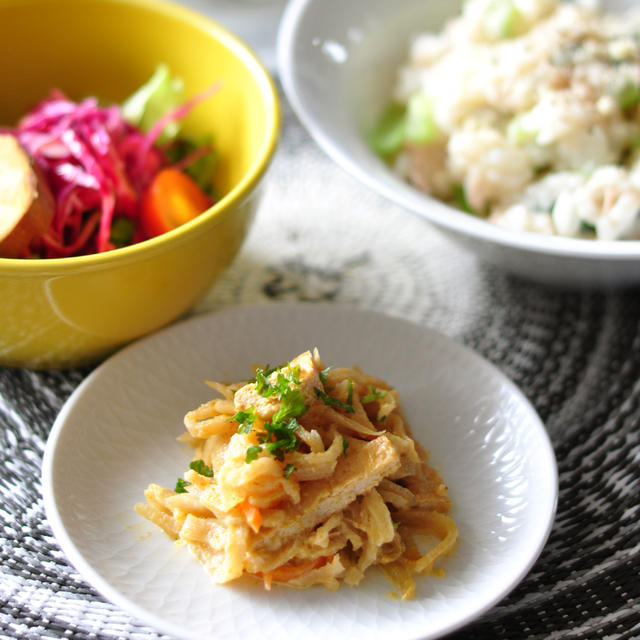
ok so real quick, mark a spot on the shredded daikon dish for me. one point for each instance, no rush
(306, 475)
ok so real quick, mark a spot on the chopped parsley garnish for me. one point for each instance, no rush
(292, 405)
(282, 383)
(587, 227)
(279, 435)
(181, 485)
(252, 453)
(333, 402)
(350, 392)
(200, 467)
(245, 419)
(294, 375)
(289, 469)
(373, 395)
(262, 384)
(264, 373)
(324, 374)
(345, 446)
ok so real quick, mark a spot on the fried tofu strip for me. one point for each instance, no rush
(355, 474)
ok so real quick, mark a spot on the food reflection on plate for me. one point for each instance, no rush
(306, 475)
(526, 113)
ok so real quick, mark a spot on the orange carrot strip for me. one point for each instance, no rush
(288, 572)
(252, 514)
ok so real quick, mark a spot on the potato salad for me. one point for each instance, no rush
(527, 113)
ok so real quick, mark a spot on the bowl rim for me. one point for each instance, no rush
(226, 204)
(290, 55)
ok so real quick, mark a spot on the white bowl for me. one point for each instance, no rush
(337, 62)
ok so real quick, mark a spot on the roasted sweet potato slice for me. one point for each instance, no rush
(26, 203)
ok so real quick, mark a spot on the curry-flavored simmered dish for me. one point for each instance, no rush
(306, 475)
(526, 112)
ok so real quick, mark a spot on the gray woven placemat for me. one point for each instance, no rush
(322, 236)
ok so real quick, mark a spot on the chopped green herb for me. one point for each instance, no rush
(289, 469)
(587, 228)
(333, 402)
(373, 395)
(294, 374)
(292, 405)
(281, 385)
(245, 419)
(350, 392)
(345, 446)
(200, 467)
(181, 485)
(252, 453)
(323, 376)
(263, 387)
(280, 437)
(266, 372)
(278, 448)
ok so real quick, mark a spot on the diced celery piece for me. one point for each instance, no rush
(517, 133)
(389, 133)
(629, 96)
(460, 199)
(501, 19)
(421, 126)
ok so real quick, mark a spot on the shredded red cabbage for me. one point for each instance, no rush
(97, 166)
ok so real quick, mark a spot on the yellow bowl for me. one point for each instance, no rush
(71, 311)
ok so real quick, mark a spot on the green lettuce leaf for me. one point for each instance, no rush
(159, 95)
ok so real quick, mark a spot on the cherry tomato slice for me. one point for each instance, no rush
(171, 199)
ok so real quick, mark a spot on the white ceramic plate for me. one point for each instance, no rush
(338, 61)
(117, 433)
